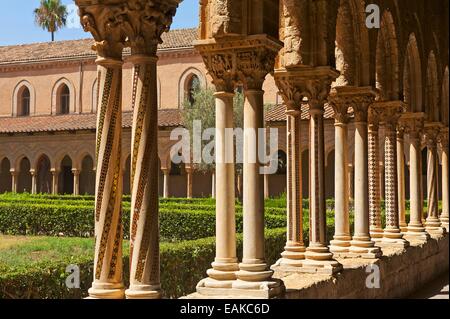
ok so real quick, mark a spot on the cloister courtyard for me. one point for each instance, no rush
(347, 101)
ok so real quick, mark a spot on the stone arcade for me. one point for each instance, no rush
(387, 87)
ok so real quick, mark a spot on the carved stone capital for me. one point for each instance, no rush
(431, 133)
(304, 82)
(232, 60)
(412, 123)
(358, 99)
(387, 113)
(443, 138)
(137, 24)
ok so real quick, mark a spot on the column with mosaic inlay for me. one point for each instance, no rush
(432, 225)
(294, 250)
(391, 112)
(375, 226)
(109, 39)
(143, 28)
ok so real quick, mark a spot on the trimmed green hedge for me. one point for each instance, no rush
(182, 266)
(77, 221)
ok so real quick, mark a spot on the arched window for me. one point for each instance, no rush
(282, 163)
(193, 85)
(64, 100)
(24, 103)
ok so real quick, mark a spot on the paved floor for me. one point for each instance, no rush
(437, 289)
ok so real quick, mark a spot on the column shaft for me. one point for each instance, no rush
(341, 239)
(401, 181)
(144, 232)
(445, 213)
(213, 185)
(76, 182)
(225, 263)
(189, 177)
(376, 231)
(108, 193)
(294, 251)
(33, 182)
(14, 181)
(415, 226)
(253, 190)
(433, 224)
(55, 182)
(166, 174)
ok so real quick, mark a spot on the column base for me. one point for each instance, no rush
(433, 226)
(106, 291)
(376, 234)
(320, 260)
(416, 233)
(291, 258)
(364, 248)
(223, 270)
(143, 292)
(340, 245)
(239, 289)
(392, 237)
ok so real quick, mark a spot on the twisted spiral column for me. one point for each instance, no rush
(144, 225)
(108, 282)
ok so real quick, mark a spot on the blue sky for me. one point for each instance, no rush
(17, 22)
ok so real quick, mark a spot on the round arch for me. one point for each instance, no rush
(17, 98)
(387, 59)
(432, 90)
(352, 44)
(412, 76)
(57, 92)
(185, 79)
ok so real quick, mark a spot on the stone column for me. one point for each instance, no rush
(341, 240)
(433, 224)
(401, 178)
(166, 174)
(375, 226)
(315, 84)
(55, 183)
(266, 186)
(390, 112)
(414, 125)
(144, 232)
(213, 185)
(109, 40)
(294, 251)
(443, 139)
(14, 180)
(350, 181)
(33, 181)
(189, 177)
(76, 181)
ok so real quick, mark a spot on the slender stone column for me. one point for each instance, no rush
(414, 125)
(76, 181)
(391, 112)
(144, 232)
(266, 186)
(443, 139)
(109, 39)
(33, 181)
(14, 180)
(342, 238)
(401, 178)
(361, 244)
(225, 264)
(294, 251)
(166, 174)
(350, 181)
(55, 183)
(433, 224)
(253, 267)
(189, 177)
(213, 185)
(376, 228)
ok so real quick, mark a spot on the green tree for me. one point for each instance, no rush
(51, 16)
(202, 108)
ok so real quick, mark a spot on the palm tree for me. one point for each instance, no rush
(51, 16)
